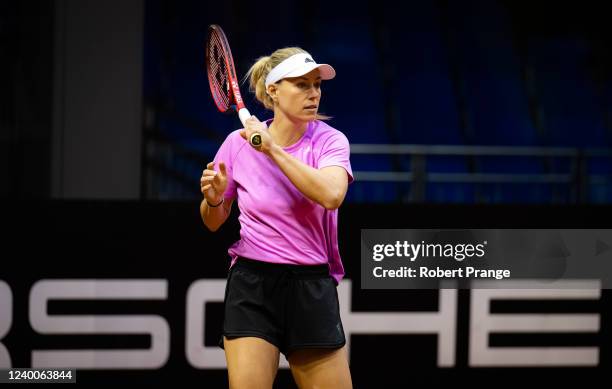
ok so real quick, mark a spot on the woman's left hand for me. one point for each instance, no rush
(253, 125)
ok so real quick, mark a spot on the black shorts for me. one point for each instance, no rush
(290, 306)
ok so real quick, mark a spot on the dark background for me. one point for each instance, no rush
(106, 123)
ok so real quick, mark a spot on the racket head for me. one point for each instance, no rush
(221, 72)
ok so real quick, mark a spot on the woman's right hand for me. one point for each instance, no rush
(213, 183)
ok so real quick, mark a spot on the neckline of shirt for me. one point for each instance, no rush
(297, 143)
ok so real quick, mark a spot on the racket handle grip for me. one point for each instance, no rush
(255, 139)
(244, 114)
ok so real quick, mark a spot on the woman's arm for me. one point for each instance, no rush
(326, 186)
(213, 185)
(214, 217)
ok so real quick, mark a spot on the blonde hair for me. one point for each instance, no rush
(259, 71)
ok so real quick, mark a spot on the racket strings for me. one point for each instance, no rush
(218, 70)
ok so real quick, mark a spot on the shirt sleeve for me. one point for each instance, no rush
(336, 152)
(226, 154)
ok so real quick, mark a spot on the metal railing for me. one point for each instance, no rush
(171, 170)
(578, 176)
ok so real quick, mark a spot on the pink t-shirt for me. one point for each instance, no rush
(277, 222)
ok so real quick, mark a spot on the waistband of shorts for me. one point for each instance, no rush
(278, 268)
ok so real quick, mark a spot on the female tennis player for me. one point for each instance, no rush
(281, 292)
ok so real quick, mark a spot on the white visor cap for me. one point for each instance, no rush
(297, 65)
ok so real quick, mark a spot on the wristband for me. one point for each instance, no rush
(216, 205)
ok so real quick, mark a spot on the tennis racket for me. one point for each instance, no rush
(222, 78)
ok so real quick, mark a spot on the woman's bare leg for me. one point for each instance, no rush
(321, 368)
(251, 362)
